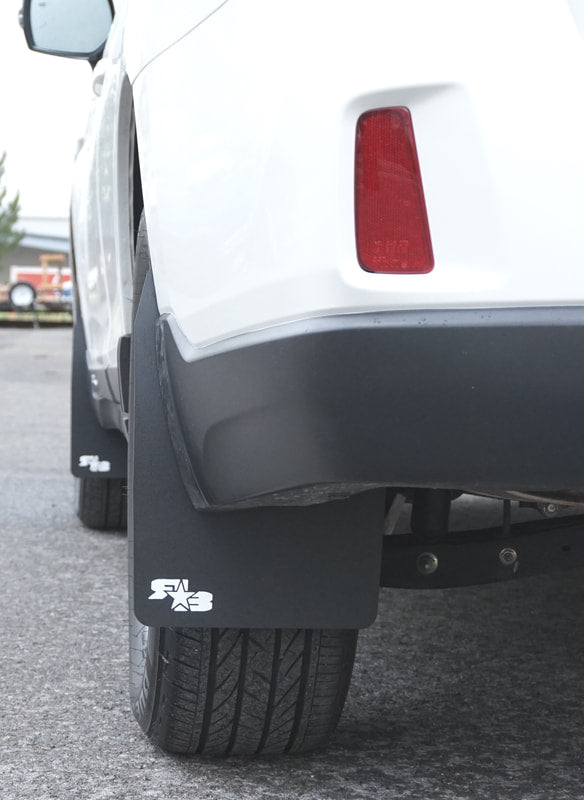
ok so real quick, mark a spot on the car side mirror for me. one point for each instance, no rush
(69, 28)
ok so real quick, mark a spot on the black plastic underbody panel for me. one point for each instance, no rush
(475, 399)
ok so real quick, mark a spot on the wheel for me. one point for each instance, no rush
(102, 503)
(22, 296)
(226, 692)
(231, 691)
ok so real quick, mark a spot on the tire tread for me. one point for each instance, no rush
(247, 692)
(102, 503)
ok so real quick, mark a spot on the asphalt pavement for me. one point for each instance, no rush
(460, 693)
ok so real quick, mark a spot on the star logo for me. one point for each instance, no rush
(182, 599)
(181, 596)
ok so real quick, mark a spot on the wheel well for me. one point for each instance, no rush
(137, 200)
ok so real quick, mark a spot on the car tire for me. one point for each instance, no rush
(219, 692)
(102, 503)
(22, 296)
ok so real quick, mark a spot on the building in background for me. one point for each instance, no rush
(42, 235)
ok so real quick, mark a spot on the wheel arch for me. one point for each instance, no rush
(128, 190)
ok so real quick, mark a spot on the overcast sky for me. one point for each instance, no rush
(43, 107)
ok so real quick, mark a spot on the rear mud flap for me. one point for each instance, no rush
(309, 567)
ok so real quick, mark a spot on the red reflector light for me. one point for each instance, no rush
(390, 213)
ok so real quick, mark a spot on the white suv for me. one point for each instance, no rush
(329, 258)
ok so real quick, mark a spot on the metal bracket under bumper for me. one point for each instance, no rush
(483, 556)
(309, 567)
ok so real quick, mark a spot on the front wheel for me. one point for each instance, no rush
(228, 691)
(102, 503)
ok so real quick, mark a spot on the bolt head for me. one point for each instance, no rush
(508, 556)
(427, 563)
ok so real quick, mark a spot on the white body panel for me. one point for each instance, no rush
(246, 114)
(102, 239)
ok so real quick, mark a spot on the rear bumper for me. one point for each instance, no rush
(250, 204)
(301, 413)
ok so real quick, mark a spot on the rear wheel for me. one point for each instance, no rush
(228, 691)
(234, 691)
(102, 503)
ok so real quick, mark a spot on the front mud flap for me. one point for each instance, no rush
(302, 567)
(96, 452)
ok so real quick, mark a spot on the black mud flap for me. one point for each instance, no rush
(309, 567)
(95, 451)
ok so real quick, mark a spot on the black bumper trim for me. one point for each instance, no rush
(480, 399)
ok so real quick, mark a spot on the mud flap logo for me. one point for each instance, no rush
(94, 464)
(182, 599)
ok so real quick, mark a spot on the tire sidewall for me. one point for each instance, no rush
(144, 640)
(144, 671)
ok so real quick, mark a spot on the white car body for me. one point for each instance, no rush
(247, 139)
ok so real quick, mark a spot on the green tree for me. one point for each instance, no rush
(10, 237)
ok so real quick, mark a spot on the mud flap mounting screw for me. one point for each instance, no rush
(427, 563)
(508, 556)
